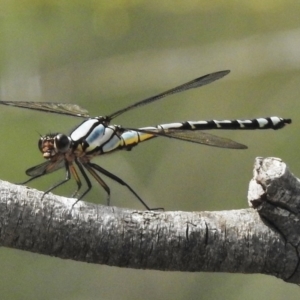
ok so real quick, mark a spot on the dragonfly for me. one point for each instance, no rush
(96, 136)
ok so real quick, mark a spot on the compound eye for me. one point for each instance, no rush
(62, 143)
(40, 143)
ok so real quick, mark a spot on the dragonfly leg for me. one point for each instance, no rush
(77, 179)
(88, 182)
(30, 179)
(120, 181)
(68, 176)
(99, 180)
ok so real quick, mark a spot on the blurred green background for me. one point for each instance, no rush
(106, 55)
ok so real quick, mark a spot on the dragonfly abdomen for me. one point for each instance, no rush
(184, 131)
(131, 138)
(260, 123)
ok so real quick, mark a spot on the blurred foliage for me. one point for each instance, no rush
(105, 55)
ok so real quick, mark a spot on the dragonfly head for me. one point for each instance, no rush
(53, 144)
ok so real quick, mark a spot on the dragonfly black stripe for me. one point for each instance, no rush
(96, 136)
(260, 123)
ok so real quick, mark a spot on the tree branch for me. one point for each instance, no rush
(237, 241)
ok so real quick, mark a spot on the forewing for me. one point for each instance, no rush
(51, 107)
(198, 82)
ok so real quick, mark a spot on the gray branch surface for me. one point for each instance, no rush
(261, 240)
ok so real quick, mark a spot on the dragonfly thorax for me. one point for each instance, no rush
(53, 144)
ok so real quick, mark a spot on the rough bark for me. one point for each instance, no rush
(275, 192)
(261, 240)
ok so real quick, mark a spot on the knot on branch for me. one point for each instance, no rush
(275, 193)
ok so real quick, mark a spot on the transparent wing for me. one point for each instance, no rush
(77, 111)
(198, 137)
(51, 107)
(205, 139)
(198, 82)
(45, 168)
